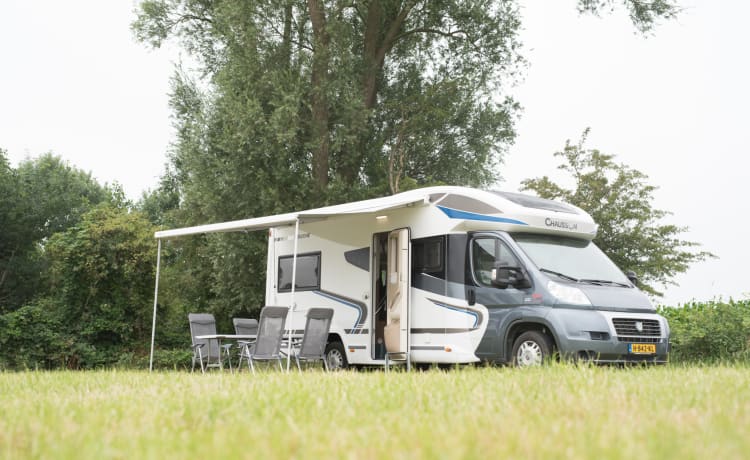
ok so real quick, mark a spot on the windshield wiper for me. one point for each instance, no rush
(561, 275)
(615, 283)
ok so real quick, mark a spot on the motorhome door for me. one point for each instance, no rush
(397, 322)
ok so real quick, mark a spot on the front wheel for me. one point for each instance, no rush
(532, 348)
(336, 356)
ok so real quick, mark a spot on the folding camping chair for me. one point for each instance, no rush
(267, 346)
(313, 346)
(244, 326)
(206, 351)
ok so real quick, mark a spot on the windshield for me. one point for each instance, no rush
(570, 258)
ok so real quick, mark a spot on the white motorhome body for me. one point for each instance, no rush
(444, 327)
(418, 273)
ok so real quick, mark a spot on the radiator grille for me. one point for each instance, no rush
(630, 339)
(627, 330)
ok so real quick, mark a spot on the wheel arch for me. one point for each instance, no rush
(334, 337)
(520, 326)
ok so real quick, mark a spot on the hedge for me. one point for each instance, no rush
(709, 331)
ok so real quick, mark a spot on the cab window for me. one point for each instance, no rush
(486, 253)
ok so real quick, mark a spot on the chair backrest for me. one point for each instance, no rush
(245, 326)
(270, 332)
(204, 324)
(317, 326)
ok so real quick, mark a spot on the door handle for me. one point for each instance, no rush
(472, 297)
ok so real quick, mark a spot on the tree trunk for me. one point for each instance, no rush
(319, 98)
(7, 267)
(396, 163)
(287, 39)
(381, 32)
(372, 37)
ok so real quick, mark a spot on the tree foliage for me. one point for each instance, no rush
(102, 275)
(335, 92)
(353, 93)
(39, 198)
(631, 231)
(709, 331)
(645, 15)
(97, 304)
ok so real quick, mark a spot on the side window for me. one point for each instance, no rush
(428, 256)
(308, 272)
(485, 254)
(359, 258)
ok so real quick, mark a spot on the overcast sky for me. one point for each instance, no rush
(673, 105)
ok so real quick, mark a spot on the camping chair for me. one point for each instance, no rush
(206, 351)
(267, 346)
(313, 346)
(244, 326)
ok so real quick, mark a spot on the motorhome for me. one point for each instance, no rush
(455, 275)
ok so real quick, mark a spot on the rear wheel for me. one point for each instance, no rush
(532, 348)
(336, 356)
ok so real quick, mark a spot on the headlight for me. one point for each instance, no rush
(568, 294)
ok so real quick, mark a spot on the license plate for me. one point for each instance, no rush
(642, 348)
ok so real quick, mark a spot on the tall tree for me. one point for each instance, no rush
(300, 103)
(364, 88)
(41, 197)
(354, 82)
(631, 231)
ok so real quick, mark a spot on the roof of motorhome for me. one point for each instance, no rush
(456, 202)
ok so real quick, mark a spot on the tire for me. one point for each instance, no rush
(532, 348)
(336, 356)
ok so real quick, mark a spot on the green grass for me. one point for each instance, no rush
(552, 412)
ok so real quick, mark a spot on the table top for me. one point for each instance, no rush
(227, 336)
(240, 336)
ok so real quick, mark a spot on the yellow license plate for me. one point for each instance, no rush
(642, 348)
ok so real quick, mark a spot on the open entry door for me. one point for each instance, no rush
(397, 323)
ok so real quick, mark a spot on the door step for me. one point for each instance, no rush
(398, 358)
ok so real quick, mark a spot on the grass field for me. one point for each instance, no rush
(551, 412)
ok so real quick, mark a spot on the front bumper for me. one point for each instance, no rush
(591, 335)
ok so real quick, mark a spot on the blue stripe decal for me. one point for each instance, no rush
(456, 214)
(347, 303)
(460, 310)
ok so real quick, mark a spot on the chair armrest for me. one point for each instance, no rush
(198, 345)
(296, 344)
(295, 341)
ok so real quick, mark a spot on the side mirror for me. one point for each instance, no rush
(632, 277)
(504, 276)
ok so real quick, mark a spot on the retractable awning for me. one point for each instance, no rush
(376, 205)
(263, 223)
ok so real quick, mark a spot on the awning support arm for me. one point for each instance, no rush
(156, 296)
(294, 285)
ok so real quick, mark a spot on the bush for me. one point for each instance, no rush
(32, 337)
(710, 331)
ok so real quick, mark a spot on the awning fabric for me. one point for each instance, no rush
(261, 223)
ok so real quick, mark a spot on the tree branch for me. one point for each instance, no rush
(429, 30)
(391, 35)
(188, 17)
